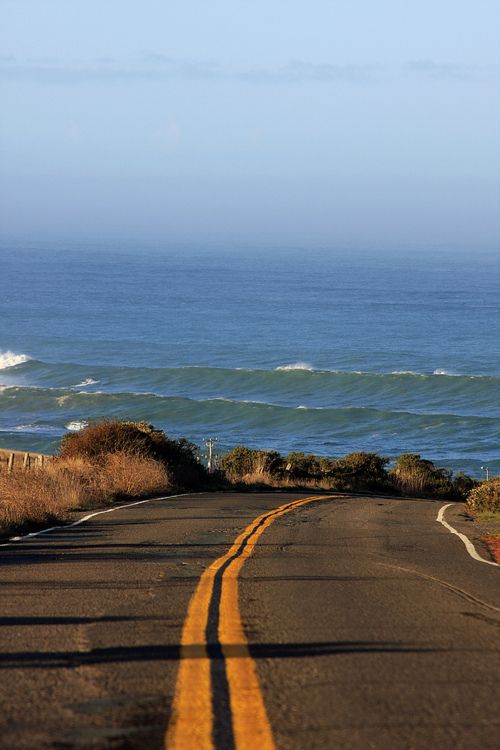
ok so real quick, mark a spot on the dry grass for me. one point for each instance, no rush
(418, 477)
(36, 497)
(100, 439)
(261, 477)
(40, 495)
(133, 476)
(485, 497)
(259, 474)
(410, 481)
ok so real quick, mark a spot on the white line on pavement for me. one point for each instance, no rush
(468, 544)
(15, 539)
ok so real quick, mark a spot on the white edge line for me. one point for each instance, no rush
(468, 544)
(15, 539)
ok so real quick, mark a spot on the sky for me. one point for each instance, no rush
(336, 123)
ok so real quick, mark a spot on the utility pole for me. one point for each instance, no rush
(212, 457)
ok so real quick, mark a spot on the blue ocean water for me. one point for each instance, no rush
(313, 350)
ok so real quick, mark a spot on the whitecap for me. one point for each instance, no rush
(231, 401)
(11, 359)
(315, 408)
(406, 372)
(442, 371)
(76, 426)
(296, 366)
(235, 400)
(38, 428)
(87, 381)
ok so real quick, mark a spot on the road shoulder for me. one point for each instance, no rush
(477, 530)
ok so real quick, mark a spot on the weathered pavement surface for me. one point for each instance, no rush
(369, 624)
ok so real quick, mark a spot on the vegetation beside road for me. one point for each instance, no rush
(40, 496)
(483, 506)
(485, 498)
(411, 475)
(100, 439)
(113, 460)
(105, 462)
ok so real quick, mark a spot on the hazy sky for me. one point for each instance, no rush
(330, 122)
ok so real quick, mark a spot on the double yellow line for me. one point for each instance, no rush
(218, 704)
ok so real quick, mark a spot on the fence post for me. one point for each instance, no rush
(10, 464)
(26, 461)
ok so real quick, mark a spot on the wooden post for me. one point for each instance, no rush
(26, 461)
(10, 465)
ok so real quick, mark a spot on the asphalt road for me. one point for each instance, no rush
(358, 623)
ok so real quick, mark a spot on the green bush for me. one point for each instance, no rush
(96, 441)
(357, 472)
(418, 477)
(242, 462)
(272, 462)
(462, 485)
(299, 466)
(238, 462)
(485, 497)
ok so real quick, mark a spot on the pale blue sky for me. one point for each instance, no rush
(331, 122)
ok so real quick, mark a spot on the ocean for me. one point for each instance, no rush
(323, 351)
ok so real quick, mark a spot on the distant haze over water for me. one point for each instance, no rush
(321, 351)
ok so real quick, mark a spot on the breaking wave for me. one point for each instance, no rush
(11, 359)
(290, 407)
(87, 381)
(77, 425)
(296, 366)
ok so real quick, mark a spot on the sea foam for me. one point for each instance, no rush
(11, 359)
(76, 426)
(296, 366)
(442, 371)
(87, 381)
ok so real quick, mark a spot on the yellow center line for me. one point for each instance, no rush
(191, 723)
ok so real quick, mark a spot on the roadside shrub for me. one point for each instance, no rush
(133, 476)
(360, 471)
(99, 439)
(44, 495)
(485, 497)
(117, 475)
(238, 462)
(357, 472)
(302, 466)
(418, 477)
(85, 472)
(327, 467)
(241, 463)
(462, 485)
(37, 496)
(272, 462)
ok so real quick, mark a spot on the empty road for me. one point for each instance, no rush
(266, 621)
